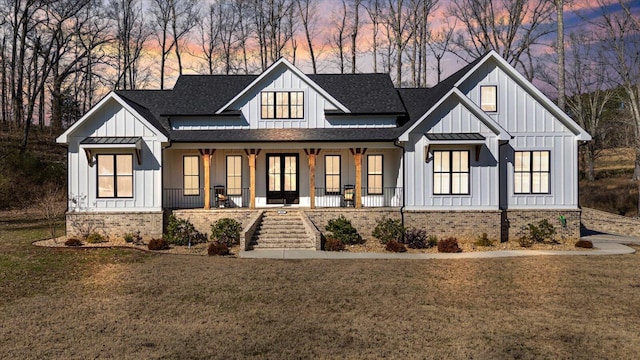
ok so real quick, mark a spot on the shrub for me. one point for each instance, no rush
(387, 230)
(525, 242)
(133, 238)
(158, 244)
(73, 242)
(416, 239)
(537, 233)
(449, 245)
(432, 241)
(395, 246)
(584, 244)
(333, 244)
(483, 240)
(95, 238)
(182, 232)
(226, 231)
(342, 230)
(218, 248)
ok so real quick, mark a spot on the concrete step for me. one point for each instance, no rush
(286, 231)
(279, 234)
(280, 245)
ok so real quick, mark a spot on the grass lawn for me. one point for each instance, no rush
(89, 303)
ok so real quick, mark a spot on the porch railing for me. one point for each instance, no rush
(178, 198)
(371, 197)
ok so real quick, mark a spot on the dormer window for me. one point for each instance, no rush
(282, 105)
(489, 98)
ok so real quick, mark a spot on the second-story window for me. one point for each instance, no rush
(282, 105)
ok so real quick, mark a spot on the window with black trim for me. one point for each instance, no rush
(234, 175)
(115, 175)
(451, 172)
(489, 98)
(332, 174)
(374, 174)
(282, 104)
(532, 172)
(191, 175)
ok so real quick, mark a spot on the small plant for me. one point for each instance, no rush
(586, 244)
(395, 246)
(432, 241)
(182, 232)
(333, 244)
(387, 230)
(342, 230)
(158, 244)
(538, 233)
(226, 231)
(449, 245)
(416, 239)
(134, 238)
(483, 240)
(95, 238)
(73, 242)
(218, 248)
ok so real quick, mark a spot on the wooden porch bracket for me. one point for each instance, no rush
(312, 154)
(206, 160)
(252, 154)
(357, 156)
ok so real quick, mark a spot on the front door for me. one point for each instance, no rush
(282, 179)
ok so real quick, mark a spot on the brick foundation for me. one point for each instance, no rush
(463, 225)
(115, 224)
(517, 220)
(364, 220)
(203, 219)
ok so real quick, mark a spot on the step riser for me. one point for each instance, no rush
(281, 231)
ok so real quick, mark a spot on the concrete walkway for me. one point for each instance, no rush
(604, 244)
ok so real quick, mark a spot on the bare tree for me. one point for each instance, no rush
(510, 27)
(338, 39)
(308, 10)
(398, 20)
(619, 35)
(590, 92)
(184, 15)
(439, 43)
(271, 18)
(355, 25)
(374, 10)
(132, 32)
(560, 50)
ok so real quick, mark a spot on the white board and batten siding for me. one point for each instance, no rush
(452, 117)
(533, 127)
(114, 120)
(281, 79)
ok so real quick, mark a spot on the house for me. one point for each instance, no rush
(482, 151)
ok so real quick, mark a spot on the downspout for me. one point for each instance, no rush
(404, 184)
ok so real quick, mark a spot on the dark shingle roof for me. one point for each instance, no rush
(419, 101)
(360, 93)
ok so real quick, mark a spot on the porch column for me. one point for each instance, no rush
(206, 160)
(311, 154)
(357, 156)
(252, 154)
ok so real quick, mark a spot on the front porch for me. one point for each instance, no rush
(280, 175)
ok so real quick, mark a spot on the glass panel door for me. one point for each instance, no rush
(282, 179)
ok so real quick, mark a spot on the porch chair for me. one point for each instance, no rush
(348, 195)
(222, 200)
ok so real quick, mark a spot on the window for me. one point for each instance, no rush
(282, 105)
(451, 172)
(234, 175)
(115, 176)
(374, 174)
(191, 173)
(489, 98)
(531, 172)
(332, 174)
